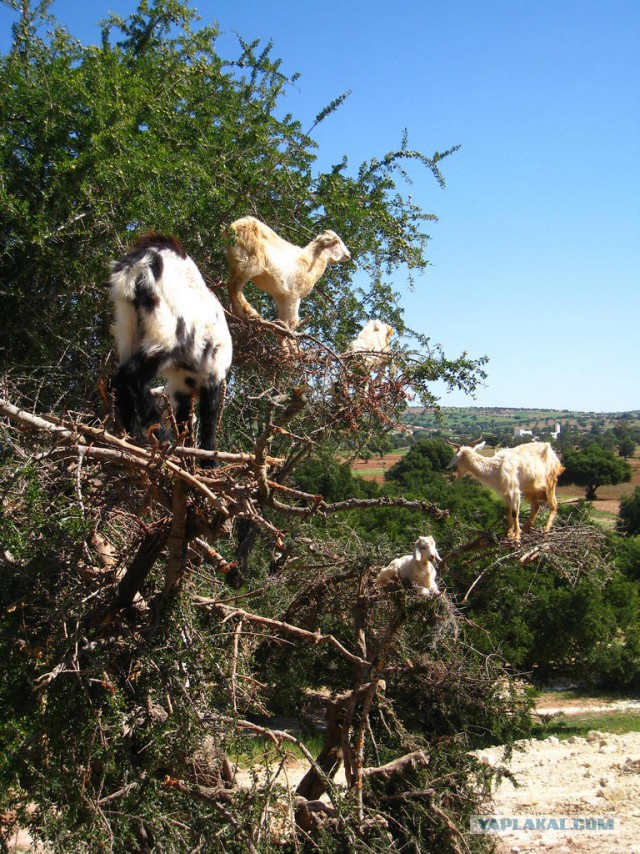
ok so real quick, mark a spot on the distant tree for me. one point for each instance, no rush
(593, 467)
(568, 438)
(425, 457)
(626, 446)
(628, 523)
(607, 440)
(380, 446)
(333, 480)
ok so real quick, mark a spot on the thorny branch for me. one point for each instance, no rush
(277, 625)
(567, 549)
(242, 489)
(199, 506)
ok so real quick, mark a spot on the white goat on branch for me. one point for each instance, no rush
(286, 272)
(416, 568)
(531, 470)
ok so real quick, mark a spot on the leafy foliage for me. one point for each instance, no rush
(548, 626)
(154, 129)
(629, 515)
(423, 458)
(626, 446)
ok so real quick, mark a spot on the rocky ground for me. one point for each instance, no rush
(581, 779)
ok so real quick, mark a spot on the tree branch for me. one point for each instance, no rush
(279, 626)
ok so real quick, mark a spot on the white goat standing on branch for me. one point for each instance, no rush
(286, 272)
(167, 321)
(417, 568)
(531, 470)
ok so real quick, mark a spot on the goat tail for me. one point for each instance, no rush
(248, 230)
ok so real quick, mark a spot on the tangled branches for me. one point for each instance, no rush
(98, 617)
(139, 661)
(127, 627)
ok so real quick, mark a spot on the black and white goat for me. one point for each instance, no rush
(167, 322)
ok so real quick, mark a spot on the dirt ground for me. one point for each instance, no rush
(581, 780)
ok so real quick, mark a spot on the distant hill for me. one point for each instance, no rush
(499, 421)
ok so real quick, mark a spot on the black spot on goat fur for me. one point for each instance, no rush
(181, 332)
(209, 350)
(146, 296)
(183, 355)
(156, 266)
(150, 242)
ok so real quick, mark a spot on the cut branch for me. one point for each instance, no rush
(410, 761)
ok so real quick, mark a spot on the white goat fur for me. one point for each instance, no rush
(416, 568)
(286, 272)
(374, 338)
(167, 321)
(531, 470)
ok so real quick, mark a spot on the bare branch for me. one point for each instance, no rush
(279, 626)
(417, 759)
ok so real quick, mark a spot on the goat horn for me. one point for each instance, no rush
(454, 444)
(475, 442)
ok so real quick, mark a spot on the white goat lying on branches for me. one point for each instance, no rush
(416, 568)
(167, 321)
(286, 272)
(531, 470)
(373, 343)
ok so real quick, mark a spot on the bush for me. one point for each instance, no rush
(628, 523)
(421, 460)
(546, 625)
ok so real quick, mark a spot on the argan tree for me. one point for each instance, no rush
(156, 616)
(594, 467)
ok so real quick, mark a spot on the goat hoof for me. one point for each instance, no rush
(208, 464)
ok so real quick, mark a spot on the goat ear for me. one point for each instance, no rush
(480, 446)
(453, 463)
(337, 254)
(417, 554)
(437, 555)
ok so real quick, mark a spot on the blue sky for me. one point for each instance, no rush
(535, 259)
